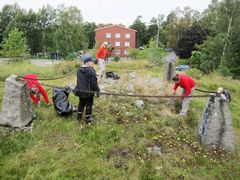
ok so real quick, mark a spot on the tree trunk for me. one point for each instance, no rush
(229, 31)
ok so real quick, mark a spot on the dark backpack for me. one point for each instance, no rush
(112, 75)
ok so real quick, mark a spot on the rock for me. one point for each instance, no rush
(133, 75)
(17, 109)
(139, 104)
(172, 57)
(155, 150)
(170, 72)
(215, 129)
(155, 81)
(130, 88)
(108, 81)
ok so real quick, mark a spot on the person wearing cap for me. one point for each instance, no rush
(86, 81)
(188, 86)
(224, 94)
(101, 56)
(35, 89)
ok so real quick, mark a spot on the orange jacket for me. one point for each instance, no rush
(102, 53)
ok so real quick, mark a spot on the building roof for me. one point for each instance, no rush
(99, 29)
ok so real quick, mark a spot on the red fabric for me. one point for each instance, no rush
(186, 83)
(101, 53)
(108, 53)
(32, 82)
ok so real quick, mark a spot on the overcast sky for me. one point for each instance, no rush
(113, 11)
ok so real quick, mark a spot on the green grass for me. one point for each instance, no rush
(59, 148)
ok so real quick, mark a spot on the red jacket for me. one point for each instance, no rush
(102, 53)
(186, 83)
(31, 82)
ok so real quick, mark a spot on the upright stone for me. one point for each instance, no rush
(216, 129)
(228, 133)
(170, 72)
(17, 110)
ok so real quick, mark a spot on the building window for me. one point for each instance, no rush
(127, 36)
(126, 52)
(108, 35)
(117, 44)
(117, 51)
(117, 35)
(127, 44)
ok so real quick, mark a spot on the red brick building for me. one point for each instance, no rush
(119, 37)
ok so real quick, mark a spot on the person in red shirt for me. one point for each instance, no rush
(188, 86)
(35, 89)
(102, 53)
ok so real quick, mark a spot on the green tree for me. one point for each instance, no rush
(46, 24)
(152, 29)
(69, 36)
(177, 22)
(15, 45)
(222, 18)
(194, 35)
(89, 29)
(25, 21)
(6, 14)
(140, 27)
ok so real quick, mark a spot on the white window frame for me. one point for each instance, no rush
(117, 44)
(117, 35)
(117, 51)
(127, 44)
(128, 36)
(126, 52)
(108, 35)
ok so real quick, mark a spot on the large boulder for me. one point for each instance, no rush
(215, 128)
(17, 109)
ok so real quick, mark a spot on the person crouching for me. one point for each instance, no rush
(86, 81)
(35, 89)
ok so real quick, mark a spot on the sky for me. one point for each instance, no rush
(116, 12)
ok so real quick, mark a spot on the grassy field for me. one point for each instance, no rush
(115, 147)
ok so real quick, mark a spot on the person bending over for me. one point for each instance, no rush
(35, 89)
(188, 86)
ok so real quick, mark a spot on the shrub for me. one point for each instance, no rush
(195, 73)
(16, 45)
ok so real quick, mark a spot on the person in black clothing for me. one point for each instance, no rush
(86, 81)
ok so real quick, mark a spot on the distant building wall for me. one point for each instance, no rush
(120, 38)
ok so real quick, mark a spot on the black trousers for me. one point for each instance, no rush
(88, 103)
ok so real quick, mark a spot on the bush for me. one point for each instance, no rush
(151, 52)
(138, 54)
(155, 54)
(195, 73)
(67, 67)
(16, 45)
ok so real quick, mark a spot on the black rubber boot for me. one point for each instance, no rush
(89, 120)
